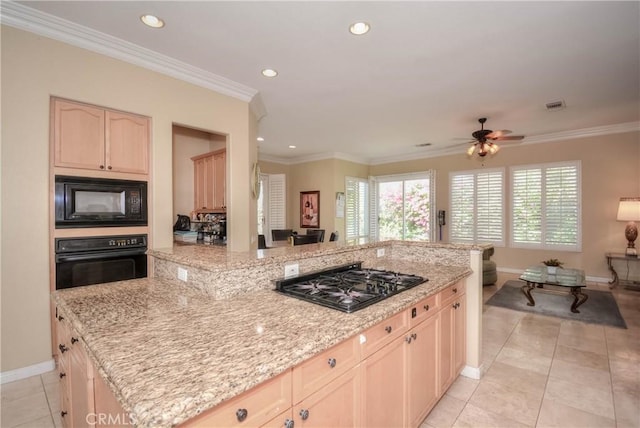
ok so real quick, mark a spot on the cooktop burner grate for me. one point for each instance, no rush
(347, 288)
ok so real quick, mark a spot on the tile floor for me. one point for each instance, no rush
(540, 372)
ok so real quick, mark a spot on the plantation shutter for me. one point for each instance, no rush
(277, 202)
(477, 207)
(546, 206)
(356, 207)
(373, 208)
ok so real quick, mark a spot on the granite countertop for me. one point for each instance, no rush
(169, 351)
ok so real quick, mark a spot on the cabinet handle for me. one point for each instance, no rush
(101, 166)
(109, 167)
(332, 362)
(388, 329)
(63, 413)
(62, 374)
(73, 340)
(426, 307)
(455, 290)
(414, 336)
(60, 318)
(304, 414)
(288, 423)
(63, 348)
(241, 414)
(407, 339)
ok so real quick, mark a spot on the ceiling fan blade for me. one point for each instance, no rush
(510, 138)
(500, 133)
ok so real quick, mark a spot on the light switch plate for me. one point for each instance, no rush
(380, 252)
(182, 274)
(290, 270)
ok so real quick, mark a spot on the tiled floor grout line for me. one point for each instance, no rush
(44, 388)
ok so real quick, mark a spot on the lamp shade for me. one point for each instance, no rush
(629, 209)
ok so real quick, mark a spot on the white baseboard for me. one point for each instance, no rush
(25, 372)
(472, 372)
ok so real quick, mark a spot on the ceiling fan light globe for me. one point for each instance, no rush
(471, 150)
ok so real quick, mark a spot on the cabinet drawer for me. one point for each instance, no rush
(381, 334)
(424, 309)
(259, 405)
(316, 372)
(450, 293)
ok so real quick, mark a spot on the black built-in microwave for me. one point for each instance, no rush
(99, 202)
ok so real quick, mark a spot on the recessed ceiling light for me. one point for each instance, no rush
(359, 28)
(292, 147)
(260, 139)
(152, 21)
(269, 72)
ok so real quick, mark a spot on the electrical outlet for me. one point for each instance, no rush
(182, 274)
(380, 252)
(291, 270)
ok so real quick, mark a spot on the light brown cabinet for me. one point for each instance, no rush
(93, 138)
(256, 407)
(85, 399)
(209, 182)
(452, 335)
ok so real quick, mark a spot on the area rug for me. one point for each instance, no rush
(600, 308)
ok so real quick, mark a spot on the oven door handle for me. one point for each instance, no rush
(89, 255)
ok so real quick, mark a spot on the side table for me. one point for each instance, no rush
(633, 285)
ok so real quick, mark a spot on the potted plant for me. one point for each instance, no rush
(552, 265)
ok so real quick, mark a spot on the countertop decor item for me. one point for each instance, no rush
(629, 210)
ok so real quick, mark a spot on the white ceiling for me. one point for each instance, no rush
(424, 73)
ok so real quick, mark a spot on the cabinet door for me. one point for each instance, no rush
(107, 406)
(78, 135)
(446, 346)
(219, 180)
(335, 405)
(127, 143)
(199, 179)
(459, 336)
(422, 364)
(383, 387)
(81, 389)
(209, 185)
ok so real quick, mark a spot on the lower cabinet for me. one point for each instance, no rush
(389, 376)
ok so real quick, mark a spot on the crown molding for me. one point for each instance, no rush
(313, 158)
(455, 149)
(34, 21)
(597, 131)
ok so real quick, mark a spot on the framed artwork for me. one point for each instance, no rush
(310, 209)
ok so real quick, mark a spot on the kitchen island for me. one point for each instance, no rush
(170, 350)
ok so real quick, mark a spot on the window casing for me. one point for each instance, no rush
(476, 206)
(546, 206)
(403, 206)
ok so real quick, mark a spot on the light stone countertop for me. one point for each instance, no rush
(169, 351)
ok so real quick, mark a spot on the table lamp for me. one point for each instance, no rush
(629, 210)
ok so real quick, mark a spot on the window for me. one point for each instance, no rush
(272, 204)
(356, 207)
(545, 206)
(404, 207)
(477, 206)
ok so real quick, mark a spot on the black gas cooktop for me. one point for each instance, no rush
(347, 288)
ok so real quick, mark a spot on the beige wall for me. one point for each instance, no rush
(35, 68)
(609, 171)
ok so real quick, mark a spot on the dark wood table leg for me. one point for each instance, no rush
(526, 289)
(614, 280)
(579, 299)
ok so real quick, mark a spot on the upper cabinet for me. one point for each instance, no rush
(89, 137)
(209, 181)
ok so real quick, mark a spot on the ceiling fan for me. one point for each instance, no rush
(484, 139)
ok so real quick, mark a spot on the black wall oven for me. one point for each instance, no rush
(99, 202)
(95, 260)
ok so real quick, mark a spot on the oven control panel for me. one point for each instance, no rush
(97, 243)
